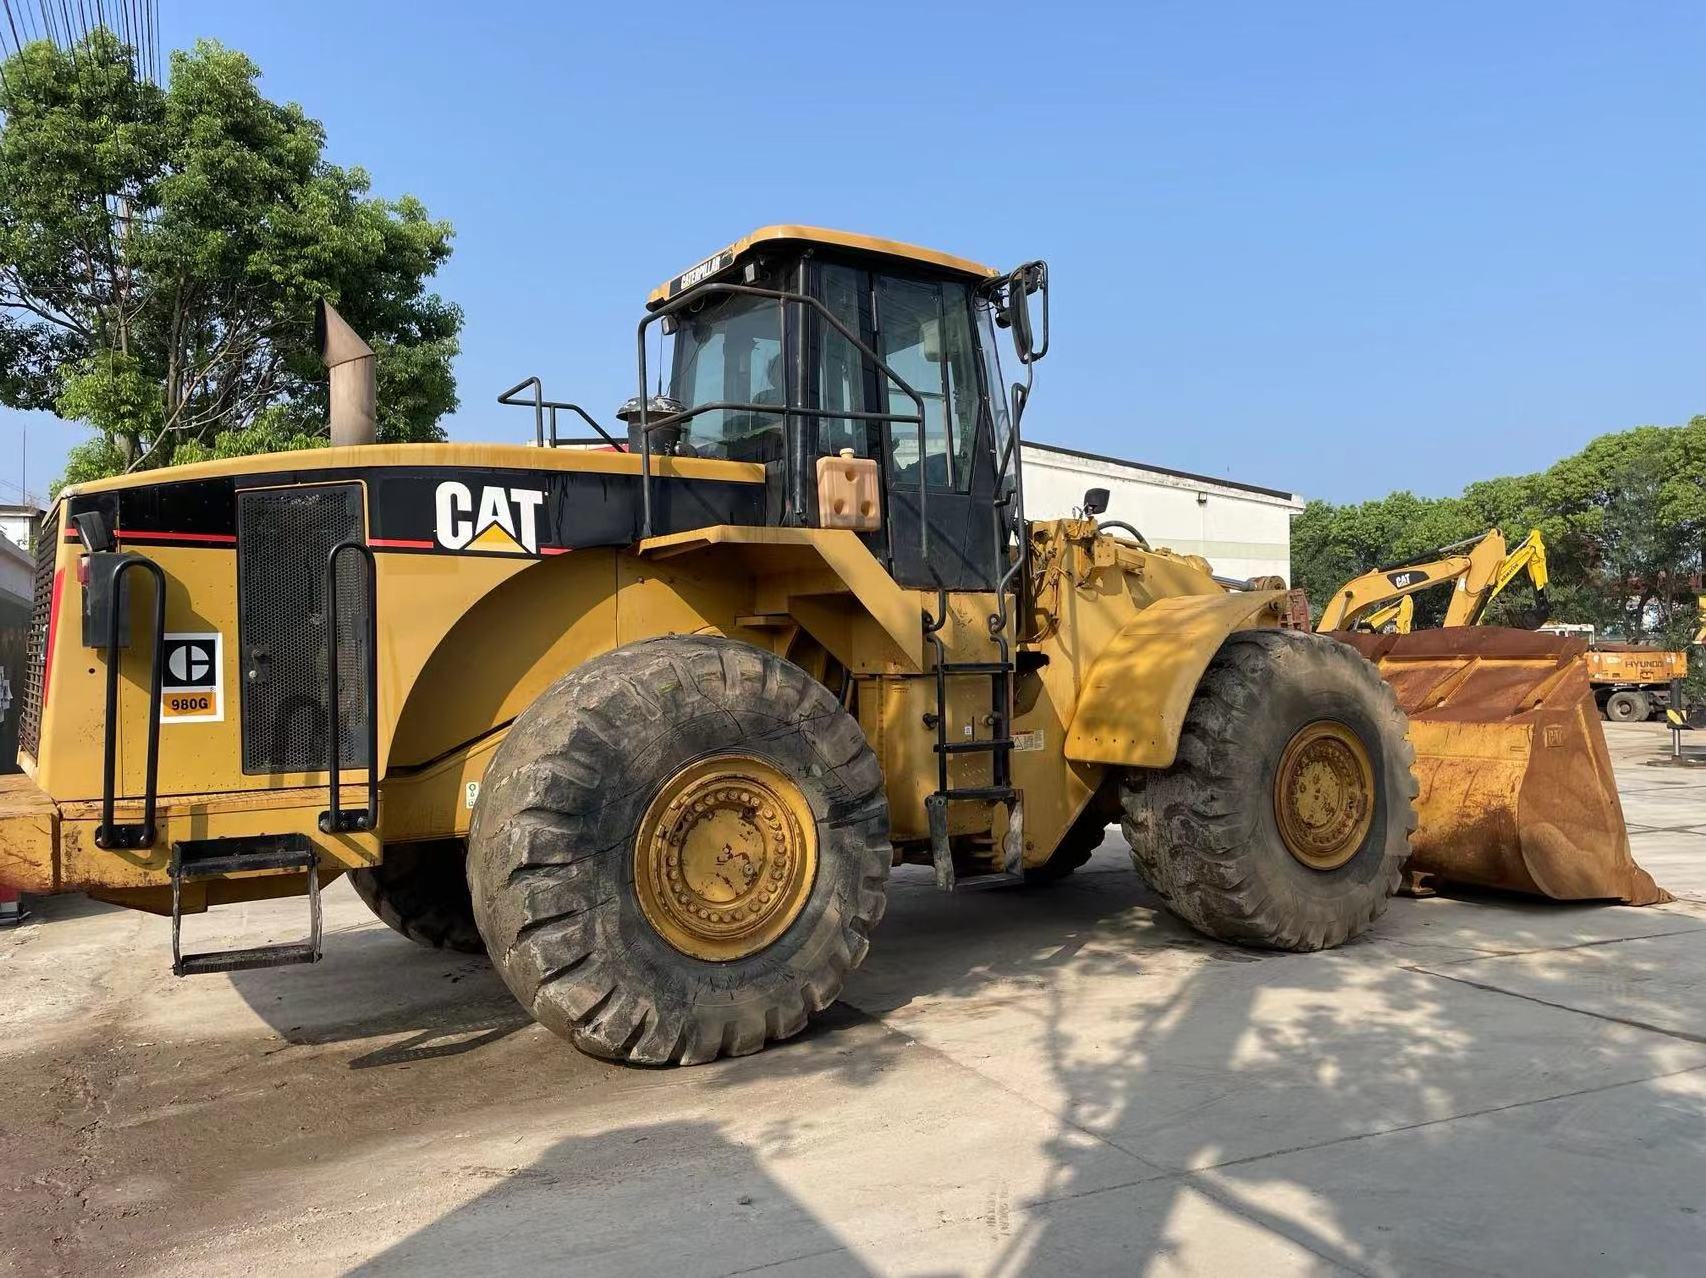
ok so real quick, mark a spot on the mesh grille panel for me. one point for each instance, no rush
(283, 538)
(35, 652)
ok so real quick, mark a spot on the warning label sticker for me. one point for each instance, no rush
(192, 684)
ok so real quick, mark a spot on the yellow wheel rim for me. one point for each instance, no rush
(1324, 794)
(725, 857)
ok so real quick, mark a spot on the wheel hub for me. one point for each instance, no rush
(725, 858)
(1324, 795)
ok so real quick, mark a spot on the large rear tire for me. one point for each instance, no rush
(421, 891)
(1077, 845)
(679, 851)
(1285, 820)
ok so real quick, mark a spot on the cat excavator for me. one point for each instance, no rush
(1480, 569)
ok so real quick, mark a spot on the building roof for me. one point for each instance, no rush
(724, 258)
(1165, 470)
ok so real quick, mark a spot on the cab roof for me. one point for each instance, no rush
(725, 258)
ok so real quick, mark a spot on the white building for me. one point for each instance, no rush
(18, 525)
(1243, 530)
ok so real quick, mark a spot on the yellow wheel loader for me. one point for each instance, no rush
(649, 713)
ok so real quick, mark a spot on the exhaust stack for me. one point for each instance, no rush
(349, 362)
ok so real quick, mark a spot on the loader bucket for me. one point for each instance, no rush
(1517, 790)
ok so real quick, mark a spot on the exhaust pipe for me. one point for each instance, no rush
(349, 363)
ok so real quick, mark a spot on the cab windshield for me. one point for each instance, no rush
(730, 351)
(734, 349)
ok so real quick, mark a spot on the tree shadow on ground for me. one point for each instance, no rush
(1446, 1095)
(1476, 1086)
(1052, 1080)
(680, 1184)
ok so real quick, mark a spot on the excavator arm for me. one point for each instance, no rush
(1468, 605)
(1480, 572)
(1401, 616)
(1474, 568)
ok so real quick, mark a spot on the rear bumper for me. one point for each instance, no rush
(29, 836)
(48, 847)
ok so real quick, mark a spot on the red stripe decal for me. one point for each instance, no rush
(214, 539)
(52, 629)
(398, 543)
(553, 550)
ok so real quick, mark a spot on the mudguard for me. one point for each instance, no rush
(1132, 704)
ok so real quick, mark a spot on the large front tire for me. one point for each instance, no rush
(679, 851)
(1286, 818)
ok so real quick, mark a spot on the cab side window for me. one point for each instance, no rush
(730, 351)
(923, 331)
(924, 334)
(841, 375)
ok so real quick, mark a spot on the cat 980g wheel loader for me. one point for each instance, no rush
(650, 715)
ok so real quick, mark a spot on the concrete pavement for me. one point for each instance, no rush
(1016, 1082)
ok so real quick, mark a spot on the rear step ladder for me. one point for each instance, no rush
(215, 858)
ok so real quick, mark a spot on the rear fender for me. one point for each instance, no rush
(1133, 702)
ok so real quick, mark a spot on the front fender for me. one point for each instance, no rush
(1133, 703)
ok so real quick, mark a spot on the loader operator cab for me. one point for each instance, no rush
(797, 348)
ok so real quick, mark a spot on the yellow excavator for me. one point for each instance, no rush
(1509, 751)
(1481, 569)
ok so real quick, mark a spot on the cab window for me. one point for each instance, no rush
(730, 351)
(923, 331)
(924, 334)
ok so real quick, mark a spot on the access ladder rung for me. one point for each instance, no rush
(974, 668)
(991, 744)
(246, 959)
(986, 794)
(217, 866)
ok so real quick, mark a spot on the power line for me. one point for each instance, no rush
(12, 22)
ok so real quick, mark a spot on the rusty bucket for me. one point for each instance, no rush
(1517, 790)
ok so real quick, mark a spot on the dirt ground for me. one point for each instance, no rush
(1049, 1081)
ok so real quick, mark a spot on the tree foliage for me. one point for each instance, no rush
(161, 250)
(1624, 522)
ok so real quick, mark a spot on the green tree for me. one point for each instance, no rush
(161, 250)
(1624, 522)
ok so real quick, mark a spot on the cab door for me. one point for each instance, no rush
(923, 328)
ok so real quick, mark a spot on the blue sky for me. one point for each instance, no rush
(1335, 248)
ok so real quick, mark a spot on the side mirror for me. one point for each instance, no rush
(1027, 279)
(1095, 502)
(1019, 318)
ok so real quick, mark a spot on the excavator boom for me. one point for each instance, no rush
(1351, 606)
(1479, 574)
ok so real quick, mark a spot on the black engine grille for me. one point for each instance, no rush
(35, 652)
(283, 538)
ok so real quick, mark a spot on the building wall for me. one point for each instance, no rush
(1243, 530)
(17, 589)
